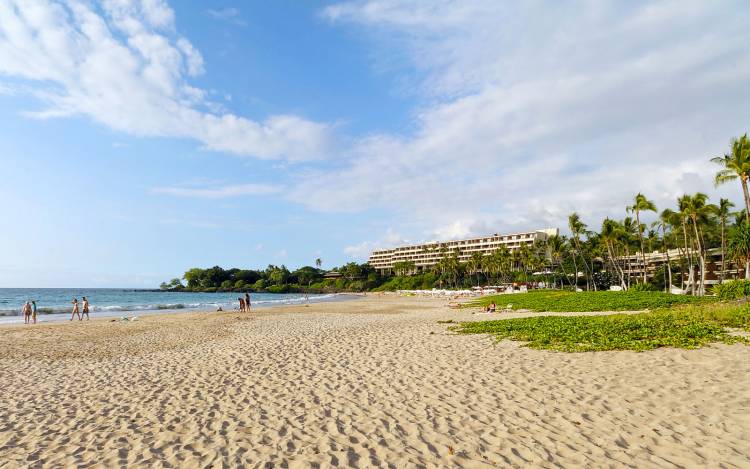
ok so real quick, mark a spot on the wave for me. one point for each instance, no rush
(179, 306)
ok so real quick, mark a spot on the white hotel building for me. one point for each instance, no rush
(428, 254)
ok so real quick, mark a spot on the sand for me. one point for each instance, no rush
(366, 383)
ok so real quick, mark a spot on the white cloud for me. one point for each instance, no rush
(219, 192)
(125, 67)
(361, 251)
(532, 110)
(191, 222)
(230, 15)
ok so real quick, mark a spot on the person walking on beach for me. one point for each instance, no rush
(26, 312)
(85, 308)
(247, 301)
(33, 311)
(242, 304)
(76, 311)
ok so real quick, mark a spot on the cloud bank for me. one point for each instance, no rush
(534, 109)
(221, 192)
(122, 64)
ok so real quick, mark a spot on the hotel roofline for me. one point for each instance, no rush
(424, 255)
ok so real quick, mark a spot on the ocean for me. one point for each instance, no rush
(54, 303)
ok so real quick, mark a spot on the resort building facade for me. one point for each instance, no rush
(426, 255)
(716, 270)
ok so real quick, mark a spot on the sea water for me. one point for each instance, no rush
(52, 302)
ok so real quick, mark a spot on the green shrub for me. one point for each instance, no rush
(278, 289)
(642, 287)
(733, 289)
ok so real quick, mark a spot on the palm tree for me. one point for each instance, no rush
(696, 209)
(556, 247)
(722, 213)
(683, 205)
(739, 246)
(611, 234)
(667, 218)
(318, 262)
(475, 263)
(640, 204)
(578, 229)
(736, 165)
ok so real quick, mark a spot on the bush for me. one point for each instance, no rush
(732, 290)
(278, 289)
(642, 287)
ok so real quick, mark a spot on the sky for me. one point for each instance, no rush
(141, 138)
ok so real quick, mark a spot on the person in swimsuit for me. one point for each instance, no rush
(33, 311)
(76, 311)
(242, 304)
(85, 308)
(26, 312)
(247, 301)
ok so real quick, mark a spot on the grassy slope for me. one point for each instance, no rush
(589, 301)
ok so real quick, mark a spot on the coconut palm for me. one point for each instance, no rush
(697, 210)
(739, 246)
(475, 264)
(640, 204)
(667, 218)
(318, 262)
(577, 230)
(611, 235)
(683, 207)
(736, 165)
(556, 248)
(723, 211)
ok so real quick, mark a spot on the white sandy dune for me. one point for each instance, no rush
(366, 383)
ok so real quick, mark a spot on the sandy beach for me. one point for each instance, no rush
(375, 382)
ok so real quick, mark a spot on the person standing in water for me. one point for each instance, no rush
(33, 311)
(85, 308)
(247, 301)
(76, 311)
(26, 312)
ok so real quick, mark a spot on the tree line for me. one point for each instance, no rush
(685, 235)
(277, 279)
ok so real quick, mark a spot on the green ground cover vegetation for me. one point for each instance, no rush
(685, 326)
(564, 300)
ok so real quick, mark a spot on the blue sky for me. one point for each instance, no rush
(144, 137)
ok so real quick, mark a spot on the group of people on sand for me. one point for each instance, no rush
(29, 312)
(78, 312)
(245, 303)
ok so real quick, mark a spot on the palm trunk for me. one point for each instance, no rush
(669, 263)
(701, 258)
(689, 256)
(619, 271)
(643, 250)
(589, 272)
(743, 180)
(723, 248)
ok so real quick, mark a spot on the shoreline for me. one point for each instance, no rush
(58, 317)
